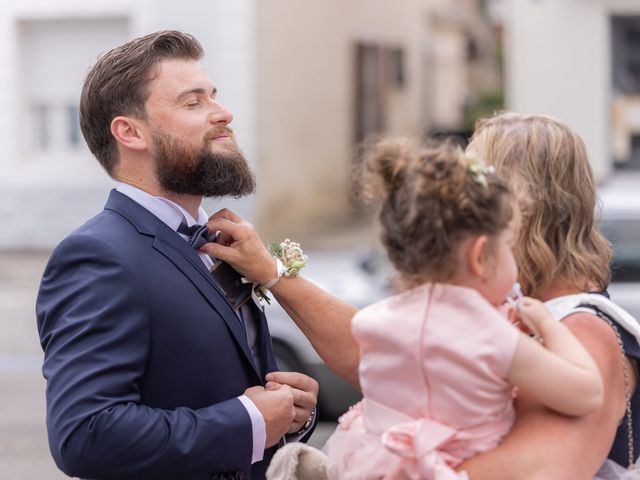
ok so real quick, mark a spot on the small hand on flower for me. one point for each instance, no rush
(510, 308)
(528, 314)
(534, 314)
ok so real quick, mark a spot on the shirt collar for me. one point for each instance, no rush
(169, 212)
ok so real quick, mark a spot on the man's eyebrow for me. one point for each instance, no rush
(197, 91)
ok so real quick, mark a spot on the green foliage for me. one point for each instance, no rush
(485, 106)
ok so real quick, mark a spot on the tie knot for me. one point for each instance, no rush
(197, 235)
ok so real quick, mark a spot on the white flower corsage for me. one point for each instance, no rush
(290, 259)
(291, 256)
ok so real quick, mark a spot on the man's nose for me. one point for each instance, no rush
(220, 114)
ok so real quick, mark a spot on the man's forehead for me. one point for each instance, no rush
(173, 77)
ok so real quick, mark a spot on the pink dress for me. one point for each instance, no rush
(432, 371)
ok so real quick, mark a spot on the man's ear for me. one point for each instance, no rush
(478, 256)
(128, 132)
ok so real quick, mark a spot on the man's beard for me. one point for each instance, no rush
(189, 170)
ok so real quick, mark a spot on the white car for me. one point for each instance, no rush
(620, 222)
(356, 276)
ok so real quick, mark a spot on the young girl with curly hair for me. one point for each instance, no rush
(440, 360)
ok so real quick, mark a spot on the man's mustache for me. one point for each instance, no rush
(220, 131)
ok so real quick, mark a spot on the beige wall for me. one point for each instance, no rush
(306, 52)
(306, 98)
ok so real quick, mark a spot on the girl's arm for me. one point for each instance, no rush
(561, 375)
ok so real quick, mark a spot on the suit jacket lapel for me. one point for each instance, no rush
(184, 257)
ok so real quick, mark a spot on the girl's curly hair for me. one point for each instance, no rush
(432, 199)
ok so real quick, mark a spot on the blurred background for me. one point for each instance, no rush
(307, 81)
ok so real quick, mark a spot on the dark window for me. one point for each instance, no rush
(370, 91)
(626, 54)
(41, 134)
(623, 231)
(473, 51)
(396, 67)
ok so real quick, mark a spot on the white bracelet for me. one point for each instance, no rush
(280, 270)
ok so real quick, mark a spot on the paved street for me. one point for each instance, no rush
(24, 454)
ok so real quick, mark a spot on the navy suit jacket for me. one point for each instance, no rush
(144, 357)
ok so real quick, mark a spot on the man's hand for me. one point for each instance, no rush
(305, 394)
(240, 246)
(276, 407)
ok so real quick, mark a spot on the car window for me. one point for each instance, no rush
(624, 234)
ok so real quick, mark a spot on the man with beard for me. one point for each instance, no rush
(157, 365)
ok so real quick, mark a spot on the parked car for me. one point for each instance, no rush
(620, 222)
(356, 276)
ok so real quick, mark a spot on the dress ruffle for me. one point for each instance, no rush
(408, 450)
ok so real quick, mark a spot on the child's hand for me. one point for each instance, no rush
(533, 313)
(510, 311)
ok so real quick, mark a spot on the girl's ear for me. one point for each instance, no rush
(478, 256)
(128, 132)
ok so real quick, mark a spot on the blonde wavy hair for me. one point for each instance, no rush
(546, 162)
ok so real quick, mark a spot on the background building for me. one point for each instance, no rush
(305, 80)
(49, 181)
(331, 73)
(579, 61)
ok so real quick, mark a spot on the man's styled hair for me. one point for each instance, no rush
(117, 85)
(547, 164)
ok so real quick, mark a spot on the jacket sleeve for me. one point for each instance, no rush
(95, 331)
